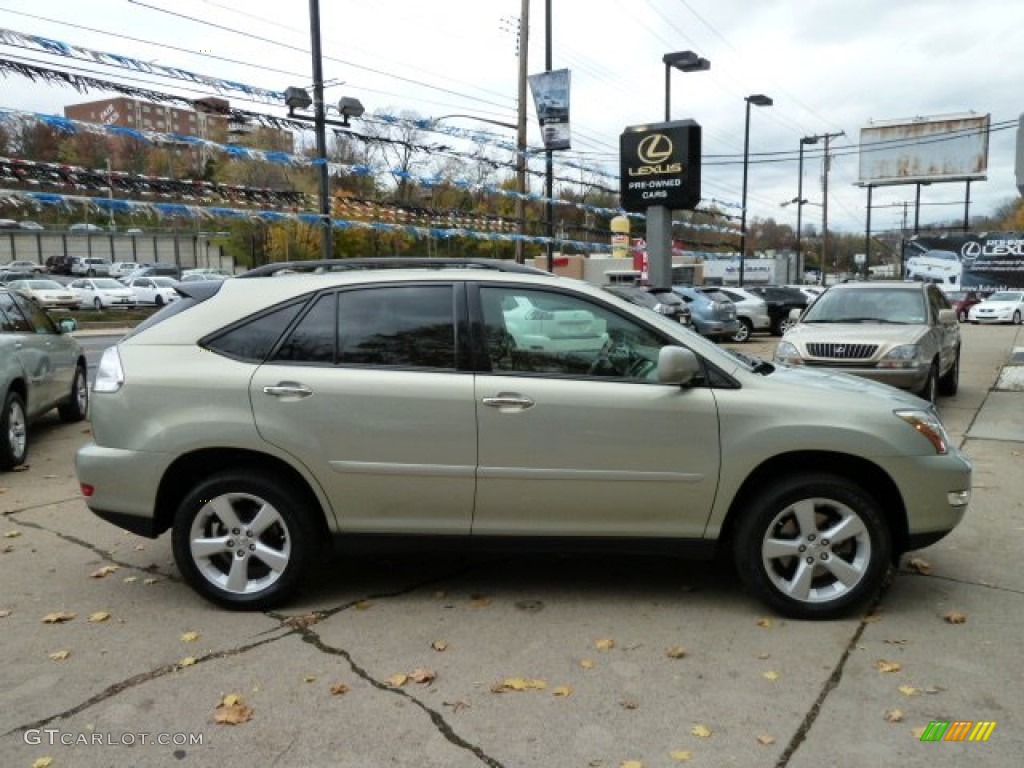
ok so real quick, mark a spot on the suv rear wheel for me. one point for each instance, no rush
(813, 546)
(13, 432)
(242, 540)
(743, 334)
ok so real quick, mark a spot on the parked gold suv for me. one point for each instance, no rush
(256, 417)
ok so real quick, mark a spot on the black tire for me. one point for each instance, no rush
(97, 304)
(159, 301)
(962, 317)
(783, 324)
(950, 382)
(1016, 317)
(77, 406)
(930, 390)
(770, 527)
(90, 273)
(13, 432)
(742, 336)
(288, 541)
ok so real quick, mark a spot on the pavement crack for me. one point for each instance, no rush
(8, 512)
(103, 554)
(966, 582)
(442, 725)
(136, 680)
(830, 684)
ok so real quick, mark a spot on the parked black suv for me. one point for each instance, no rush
(59, 265)
(780, 300)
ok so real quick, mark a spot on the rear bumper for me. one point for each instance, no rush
(119, 479)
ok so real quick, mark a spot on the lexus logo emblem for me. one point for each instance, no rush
(655, 149)
(840, 351)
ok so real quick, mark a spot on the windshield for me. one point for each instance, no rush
(1006, 296)
(43, 285)
(107, 284)
(881, 305)
(163, 282)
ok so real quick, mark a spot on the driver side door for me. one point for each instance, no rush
(575, 435)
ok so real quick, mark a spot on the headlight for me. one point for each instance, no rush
(901, 357)
(928, 426)
(787, 352)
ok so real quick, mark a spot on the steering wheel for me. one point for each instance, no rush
(615, 358)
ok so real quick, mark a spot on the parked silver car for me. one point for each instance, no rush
(258, 416)
(751, 311)
(905, 334)
(41, 368)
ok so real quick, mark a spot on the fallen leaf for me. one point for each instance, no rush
(57, 618)
(604, 644)
(339, 689)
(562, 690)
(479, 601)
(895, 642)
(893, 715)
(21, 468)
(234, 715)
(934, 689)
(302, 621)
(60, 655)
(518, 684)
(439, 646)
(190, 637)
(919, 565)
(188, 661)
(763, 656)
(765, 739)
(363, 605)
(629, 704)
(230, 700)
(99, 616)
(7, 549)
(682, 755)
(587, 663)
(770, 675)
(397, 681)
(675, 652)
(150, 581)
(5, 613)
(12, 534)
(631, 764)
(765, 622)
(42, 762)
(701, 731)
(457, 706)
(919, 732)
(139, 547)
(423, 675)
(874, 617)
(106, 570)
(888, 666)
(908, 690)
(955, 617)
(309, 679)
(130, 579)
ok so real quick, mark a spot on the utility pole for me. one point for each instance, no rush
(320, 128)
(524, 40)
(824, 204)
(549, 170)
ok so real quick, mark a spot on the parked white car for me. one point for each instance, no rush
(123, 268)
(208, 272)
(751, 311)
(23, 266)
(152, 290)
(1000, 307)
(102, 292)
(90, 266)
(48, 294)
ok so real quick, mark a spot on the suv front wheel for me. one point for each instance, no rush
(813, 546)
(242, 540)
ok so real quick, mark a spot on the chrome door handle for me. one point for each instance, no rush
(509, 400)
(288, 390)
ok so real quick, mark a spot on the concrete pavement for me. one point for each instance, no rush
(324, 675)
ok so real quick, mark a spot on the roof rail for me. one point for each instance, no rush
(388, 262)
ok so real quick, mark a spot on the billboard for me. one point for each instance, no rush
(959, 262)
(659, 165)
(925, 150)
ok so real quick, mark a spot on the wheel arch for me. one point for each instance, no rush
(188, 469)
(869, 477)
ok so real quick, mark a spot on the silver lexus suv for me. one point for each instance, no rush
(256, 417)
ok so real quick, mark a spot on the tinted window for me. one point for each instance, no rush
(40, 321)
(398, 326)
(254, 339)
(12, 319)
(312, 340)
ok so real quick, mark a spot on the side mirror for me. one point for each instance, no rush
(677, 365)
(68, 325)
(795, 312)
(947, 317)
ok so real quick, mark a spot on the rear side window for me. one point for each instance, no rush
(253, 339)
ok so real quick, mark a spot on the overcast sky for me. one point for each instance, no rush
(830, 65)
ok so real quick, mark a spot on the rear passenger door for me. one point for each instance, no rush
(365, 390)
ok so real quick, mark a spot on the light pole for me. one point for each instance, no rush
(684, 61)
(758, 100)
(806, 140)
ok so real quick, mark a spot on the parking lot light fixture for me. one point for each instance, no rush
(684, 61)
(758, 100)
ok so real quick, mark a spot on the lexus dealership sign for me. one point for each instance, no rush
(660, 165)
